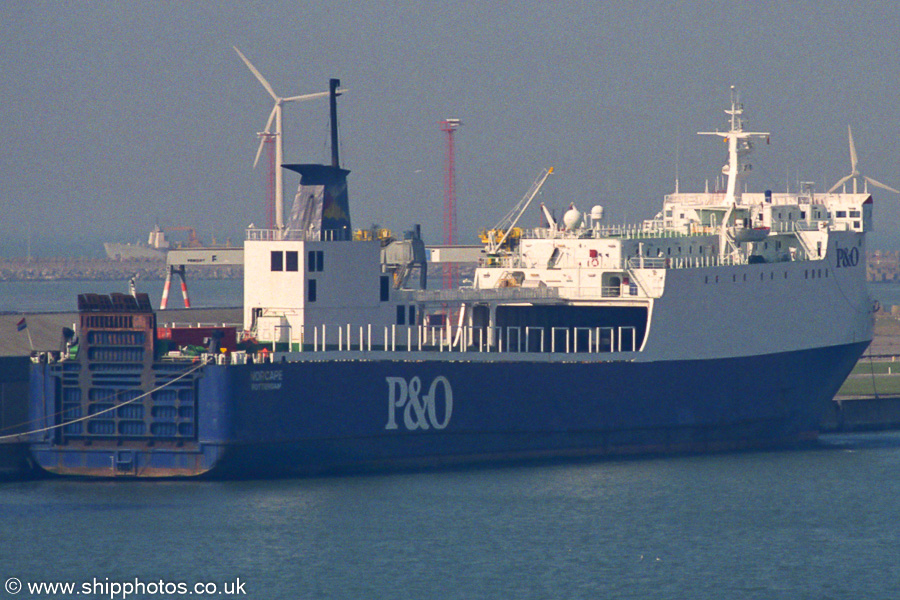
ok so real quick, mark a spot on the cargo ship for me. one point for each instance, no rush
(728, 321)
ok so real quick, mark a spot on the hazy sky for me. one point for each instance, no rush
(115, 115)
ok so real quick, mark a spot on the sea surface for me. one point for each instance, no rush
(816, 524)
(821, 523)
(62, 295)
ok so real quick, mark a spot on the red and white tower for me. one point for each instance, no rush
(451, 271)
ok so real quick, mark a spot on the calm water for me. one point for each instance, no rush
(56, 296)
(804, 524)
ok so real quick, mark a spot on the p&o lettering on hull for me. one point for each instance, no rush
(419, 411)
(847, 258)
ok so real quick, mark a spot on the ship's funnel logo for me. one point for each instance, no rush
(419, 412)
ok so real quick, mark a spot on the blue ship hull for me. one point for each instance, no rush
(311, 417)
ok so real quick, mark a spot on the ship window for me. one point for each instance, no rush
(856, 224)
(412, 315)
(385, 288)
(311, 290)
(401, 314)
(820, 273)
(277, 260)
(802, 214)
(290, 260)
(854, 214)
(315, 261)
(668, 213)
(841, 214)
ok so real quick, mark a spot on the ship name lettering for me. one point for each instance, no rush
(266, 380)
(847, 258)
(419, 411)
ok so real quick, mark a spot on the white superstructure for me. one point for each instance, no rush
(718, 274)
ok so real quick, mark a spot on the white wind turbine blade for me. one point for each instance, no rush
(881, 185)
(853, 160)
(840, 182)
(262, 140)
(258, 75)
(302, 97)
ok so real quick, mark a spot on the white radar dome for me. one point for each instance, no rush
(596, 212)
(572, 218)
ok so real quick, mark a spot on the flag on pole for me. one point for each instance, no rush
(21, 325)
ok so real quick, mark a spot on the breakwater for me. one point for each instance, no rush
(102, 269)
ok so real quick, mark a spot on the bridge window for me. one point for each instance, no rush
(290, 260)
(277, 260)
(385, 288)
(315, 261)
(311, 290)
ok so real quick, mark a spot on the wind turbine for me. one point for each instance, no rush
(854, 172)
(279, 148)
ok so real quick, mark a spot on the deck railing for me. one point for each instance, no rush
(463, 340)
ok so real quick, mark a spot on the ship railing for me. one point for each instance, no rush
(684, 262)
(630, 231)
(448, 339)
(294, 235)
(794, 226)
(697, 198)
(510, 293)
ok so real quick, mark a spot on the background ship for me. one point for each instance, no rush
(156, 247)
